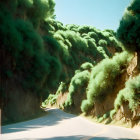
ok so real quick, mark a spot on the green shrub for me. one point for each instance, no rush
(129, 30)
(102, 52)
(11, 39)
(40, 10)
(129, 94)
(72, 27)
(109, 115)
(50, 100)
(61, 89)
(102, 79)
(53, 97)
(55, 73)
(92, 48)
(112, 113)
(52, 45)
(83, 29)
(100, 119)
(93, 35)
(77, 81)
(22, 6)
(113, 42)
(102, 43)
(106, 115)
(86, 66)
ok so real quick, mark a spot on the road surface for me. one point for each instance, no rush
(58, 125)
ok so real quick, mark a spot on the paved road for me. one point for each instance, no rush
(58, 125)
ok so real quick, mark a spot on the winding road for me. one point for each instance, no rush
(58, 125)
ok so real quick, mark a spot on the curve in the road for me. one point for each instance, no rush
(58, 125)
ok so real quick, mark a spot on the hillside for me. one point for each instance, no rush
(109, 90)
(77, 68)
(37, 53)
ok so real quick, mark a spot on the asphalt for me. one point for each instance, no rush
(58, 125)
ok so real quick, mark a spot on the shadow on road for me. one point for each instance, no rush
(78, 137)
(53, 117)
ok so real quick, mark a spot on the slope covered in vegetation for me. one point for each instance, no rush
(39, 56)
(37, 53)
(110, 89)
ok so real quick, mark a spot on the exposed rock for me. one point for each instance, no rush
(132, 69)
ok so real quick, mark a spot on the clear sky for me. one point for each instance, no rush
(102, 14)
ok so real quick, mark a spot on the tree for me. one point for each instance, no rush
(129, 30)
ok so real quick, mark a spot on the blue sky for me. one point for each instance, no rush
(102, 14)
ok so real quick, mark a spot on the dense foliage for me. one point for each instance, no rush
(41, 54)
(129, 94)
(38, 52)
(24, 50)
(102, 79)
(78, 81)
(99, 81)
(75, 39)
(129, 29)
(53, 97)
